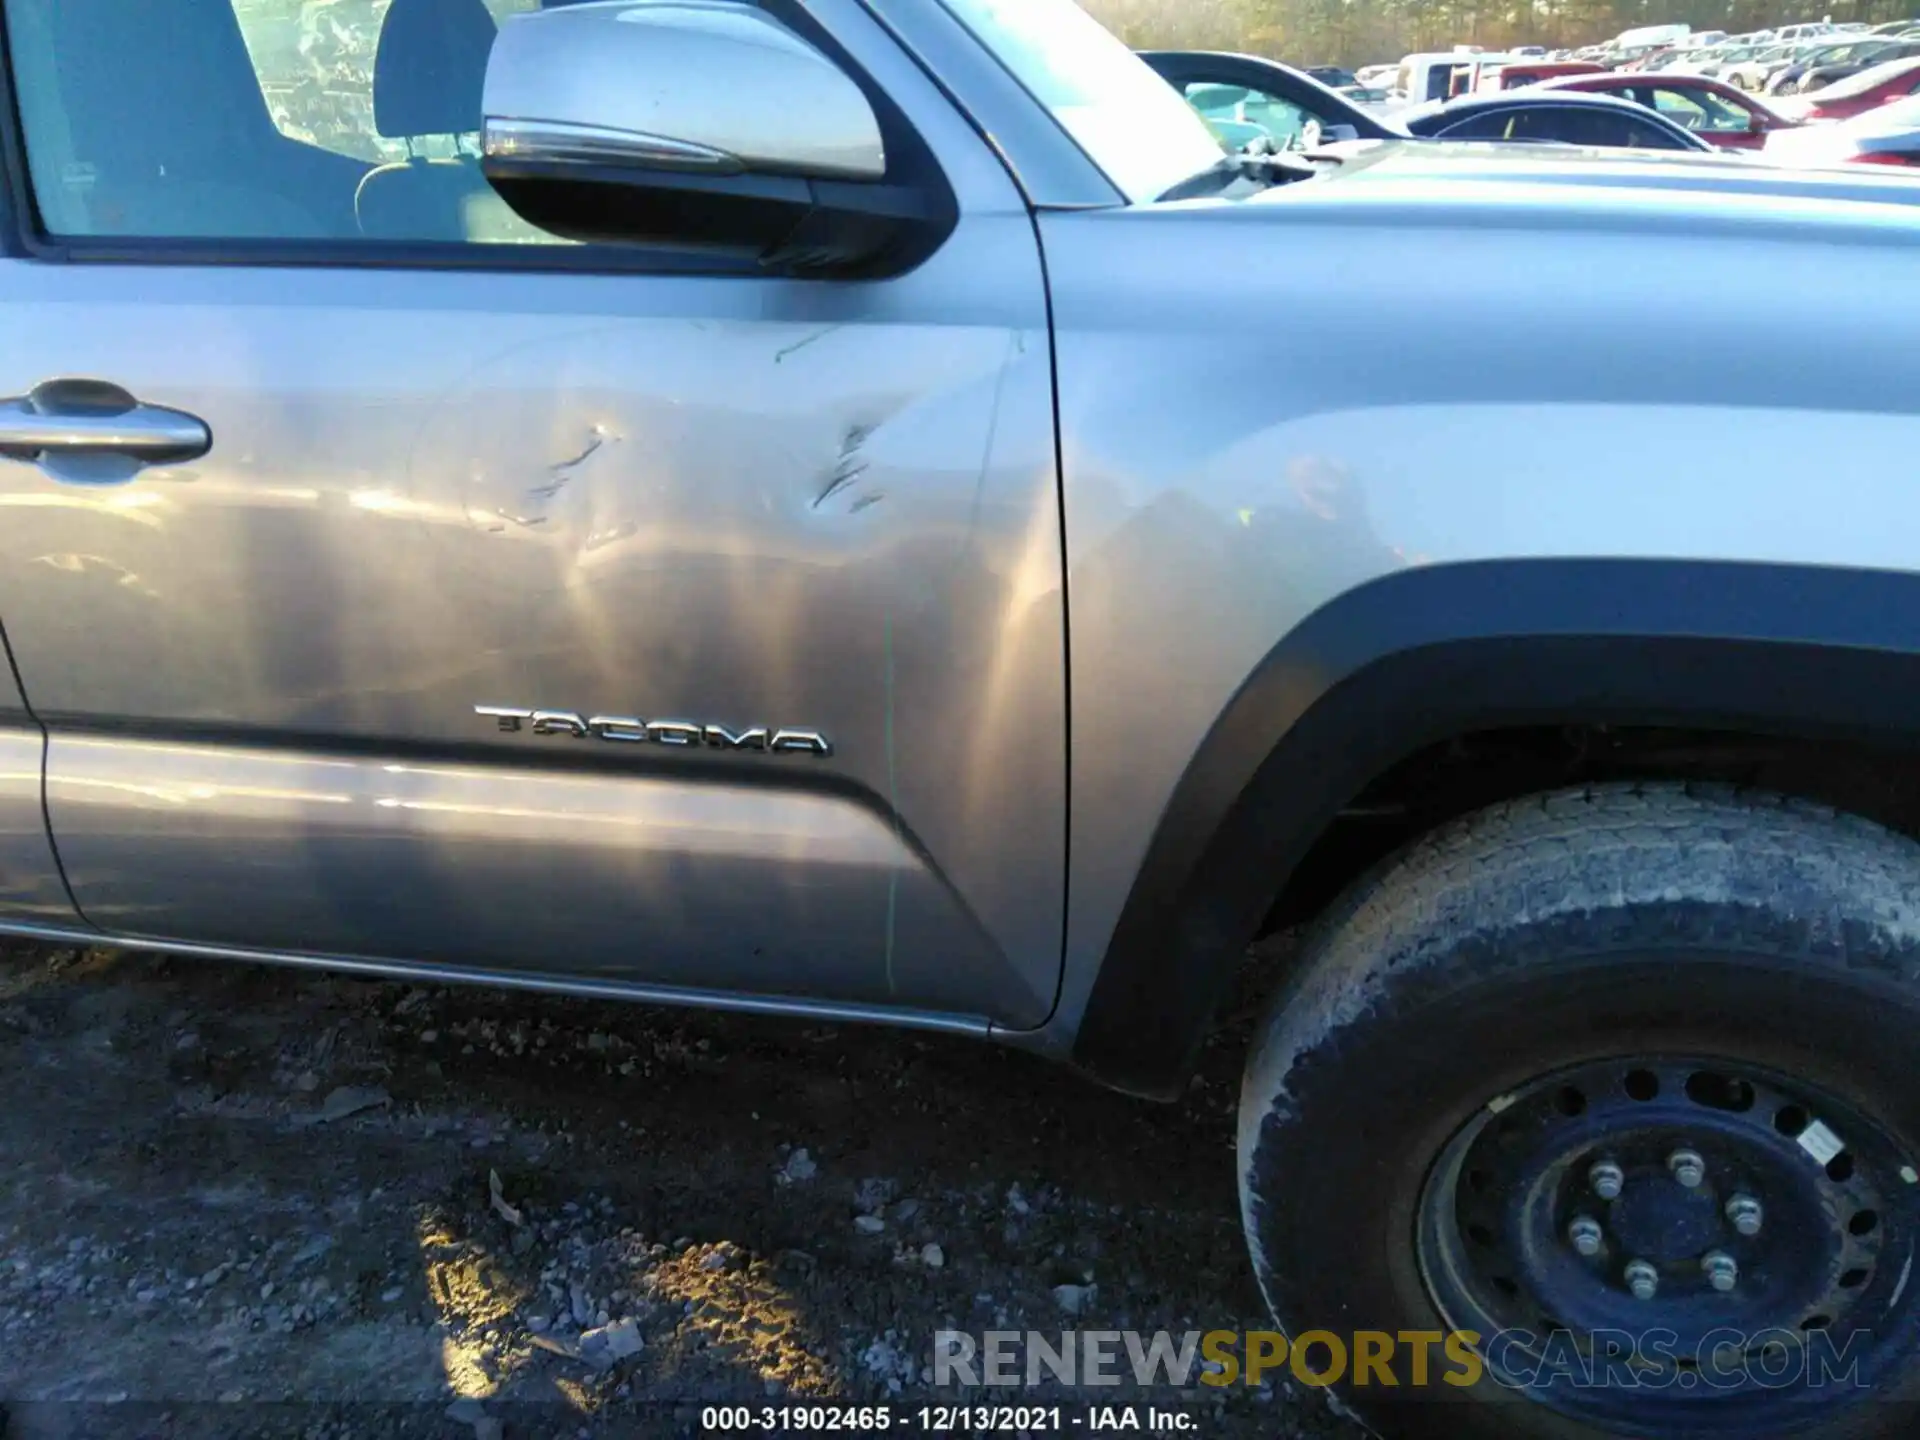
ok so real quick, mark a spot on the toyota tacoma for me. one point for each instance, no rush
(864, 510)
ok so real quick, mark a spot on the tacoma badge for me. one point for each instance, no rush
(626, 730)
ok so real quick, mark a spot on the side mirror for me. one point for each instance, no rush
(696, 124)
(1331, 133)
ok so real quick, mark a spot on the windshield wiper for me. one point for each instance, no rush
(1206, 183)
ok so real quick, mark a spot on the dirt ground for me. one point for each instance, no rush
(243, 1201)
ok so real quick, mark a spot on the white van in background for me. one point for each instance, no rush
(1428, 75)
(1650, 37)
(1788, 34)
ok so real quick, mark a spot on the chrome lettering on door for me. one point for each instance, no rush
(630, 730)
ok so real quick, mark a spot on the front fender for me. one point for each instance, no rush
(1415, 481)
(1412, 658)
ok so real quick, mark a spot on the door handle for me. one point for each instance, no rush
(87, 432)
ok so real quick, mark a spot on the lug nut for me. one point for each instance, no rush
(1721, 1271)
(1687, 1167)
(1606, 1178)
(1584, 1232)
(1642, 1279)
(1745, 1213)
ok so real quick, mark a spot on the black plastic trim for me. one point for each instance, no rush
(1415, 657)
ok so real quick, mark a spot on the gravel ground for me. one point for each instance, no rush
(243, 1201)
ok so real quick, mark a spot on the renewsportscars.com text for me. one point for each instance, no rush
(1413, 1359)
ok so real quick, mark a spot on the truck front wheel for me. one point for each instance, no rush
(1597, 1113)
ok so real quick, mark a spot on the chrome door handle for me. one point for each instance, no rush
(87, 432)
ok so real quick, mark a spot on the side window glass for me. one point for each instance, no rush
(1572, 126)
(1648, 137)
(314, 60)
(1214, 100)
(329, 120)
(1282, 119)
(1699, 110)
(1537, 125)
(1481, 127)
(1580, 127)
(1618, 130)
(1680, 109)
(1240, 114)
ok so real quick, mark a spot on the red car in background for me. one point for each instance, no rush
(1718, 113)
(1514, 74)
(1884, 135)
(1857, 94)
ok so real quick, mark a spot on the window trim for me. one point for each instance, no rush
(24, 237)
(1657, 126)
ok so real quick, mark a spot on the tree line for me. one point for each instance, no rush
(1342, 32)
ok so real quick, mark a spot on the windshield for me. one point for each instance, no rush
(1131, 123)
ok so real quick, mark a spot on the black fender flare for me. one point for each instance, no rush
(1412, 658)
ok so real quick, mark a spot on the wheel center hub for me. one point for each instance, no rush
(1666, 1222)
(1689, 1199)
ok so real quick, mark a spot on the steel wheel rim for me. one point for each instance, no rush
(1779, 1263)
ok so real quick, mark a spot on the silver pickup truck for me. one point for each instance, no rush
(862, 509)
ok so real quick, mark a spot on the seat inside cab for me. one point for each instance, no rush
(283, 121)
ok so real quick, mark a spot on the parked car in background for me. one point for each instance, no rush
(1759, 72)
(1515, 74)
(1466, 75)
(1789, 69)
(1870, 89)
(1820, 76)
(1715, 61)
(1375, 75)
(1650, 37)
(1545, 115)
(1724, 117)
(1633, 55)
(1288, 106)
(1333, 76)
(1367, 96)
(1426, 76)
(1809, 31)
(1297, 111)
(1654, 59)
(1896, 27)
(1786, 80)
(1750, 71)
(1888, 135)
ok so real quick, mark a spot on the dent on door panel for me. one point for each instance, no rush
(829, 508)
(30, 885)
